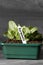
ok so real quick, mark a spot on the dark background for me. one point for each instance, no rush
(24, 12)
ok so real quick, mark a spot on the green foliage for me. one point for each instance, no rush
(12, 32)
(30, 33)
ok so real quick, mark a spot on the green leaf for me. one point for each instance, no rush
(25, 30)
(34, 29)
(30, 27)
(12, 25)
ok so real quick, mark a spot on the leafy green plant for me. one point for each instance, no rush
(31, 33)
(12, 32)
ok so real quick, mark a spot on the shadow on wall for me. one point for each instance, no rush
(41, 53)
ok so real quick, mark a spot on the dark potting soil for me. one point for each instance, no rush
(20, 41)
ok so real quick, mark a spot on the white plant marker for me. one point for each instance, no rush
(21, 34)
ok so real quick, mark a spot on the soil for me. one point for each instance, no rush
(19, 41)
(13, 41)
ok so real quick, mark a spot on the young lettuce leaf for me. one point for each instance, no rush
(12, 32)
(34, 29)
(12, 25)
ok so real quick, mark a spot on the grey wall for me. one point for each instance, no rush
(23, 4)
(25, 12)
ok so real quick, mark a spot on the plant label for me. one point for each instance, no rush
(21, 34)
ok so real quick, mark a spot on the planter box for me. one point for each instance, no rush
(21, 51)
